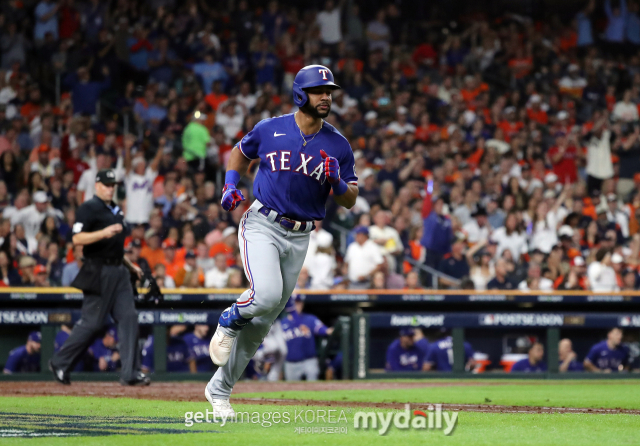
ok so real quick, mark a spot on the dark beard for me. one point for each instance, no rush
(307, 109)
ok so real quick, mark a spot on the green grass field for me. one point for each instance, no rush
(125, 421)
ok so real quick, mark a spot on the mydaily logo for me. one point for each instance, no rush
(431, 419)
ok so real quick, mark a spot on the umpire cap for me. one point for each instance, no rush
(311, 76)
(106, 176)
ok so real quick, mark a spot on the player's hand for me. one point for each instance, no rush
(331, 167)
(329, 331)
(112, 230)
(115, 357)
(102, 364)
(231, 197)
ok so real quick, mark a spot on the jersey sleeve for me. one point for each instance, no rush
(318, 327)
(392, 359)
(250, 143)
(147, 355)
(592, 355)
(12, 362)
(348, 165)
(468, 352)
(84, 220)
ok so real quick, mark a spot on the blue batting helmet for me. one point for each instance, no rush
(311, 76)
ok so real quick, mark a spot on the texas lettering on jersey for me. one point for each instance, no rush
(290, 177)
(281, 160)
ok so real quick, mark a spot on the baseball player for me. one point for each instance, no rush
(440, 355)
(403, 355)
(302, 160)
(25, 358)
(198, 343)
(300, 330)
(609, 355)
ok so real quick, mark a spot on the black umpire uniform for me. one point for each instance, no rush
(105, 282)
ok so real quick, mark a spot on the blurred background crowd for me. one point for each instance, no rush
(493, 150)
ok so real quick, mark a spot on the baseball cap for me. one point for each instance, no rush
(562, 115)
(407, 332)
(535, 98)
(190, 255)
(324, 239)
(26, 262)
(362, 230)
(168, 243)
(106, 176)
(40, 269)
(43, 148)
(565, 231)
(577, 261)
(35, 336)
(229, 231)
(617, 258)
(150, 233)
(40, 197)
(112, 332)
(370, 115)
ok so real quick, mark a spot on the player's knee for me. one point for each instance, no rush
(266, 298)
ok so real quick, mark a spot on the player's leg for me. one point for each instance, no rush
(125, 314)
(244, 348)
(311, 369)
(293, 371)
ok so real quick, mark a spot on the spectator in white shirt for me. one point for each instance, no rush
(139, 186)
(535, 281)
(363, 258)
(218, 276)
(329, 23)
(245, 97)
(314, 236)
(625, 110)
(601, 275)
(617, 215)
(31, 217)
(230, 117)
(386, 237)
(511, 237)
(400, 126)
(322, 264)
(477, 229)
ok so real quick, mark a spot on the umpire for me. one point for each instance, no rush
(104, 280)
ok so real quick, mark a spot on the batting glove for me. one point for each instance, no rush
(332, 172)
(231, 197)
(331, 167)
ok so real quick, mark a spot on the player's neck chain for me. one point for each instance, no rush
(302, 134)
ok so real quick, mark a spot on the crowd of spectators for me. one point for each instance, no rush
(501, 152)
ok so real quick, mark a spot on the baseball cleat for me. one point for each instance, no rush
(59, 374)
(220, 347)
(221, 408)
(141, 379)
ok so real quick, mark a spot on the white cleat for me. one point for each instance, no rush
(220, 347)
(221, 408)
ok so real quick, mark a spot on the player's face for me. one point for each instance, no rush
(615, 336)
(319, 103)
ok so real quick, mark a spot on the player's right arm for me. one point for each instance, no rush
(241, 156)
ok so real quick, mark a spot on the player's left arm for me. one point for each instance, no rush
(341, 174)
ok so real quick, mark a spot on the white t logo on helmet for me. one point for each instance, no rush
(324, 72)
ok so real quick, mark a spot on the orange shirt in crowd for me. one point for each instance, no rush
(214, 100)
(510, 129)
(173, 267)
(521, 67)
(153, 256)
(539, 116)
(424, 133)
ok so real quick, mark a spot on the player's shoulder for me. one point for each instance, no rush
(395, 344)
(273, 122)
(18, 351)
(334, 134)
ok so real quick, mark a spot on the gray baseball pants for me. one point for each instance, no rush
(272, 257)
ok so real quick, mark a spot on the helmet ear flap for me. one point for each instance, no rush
(299, 96)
